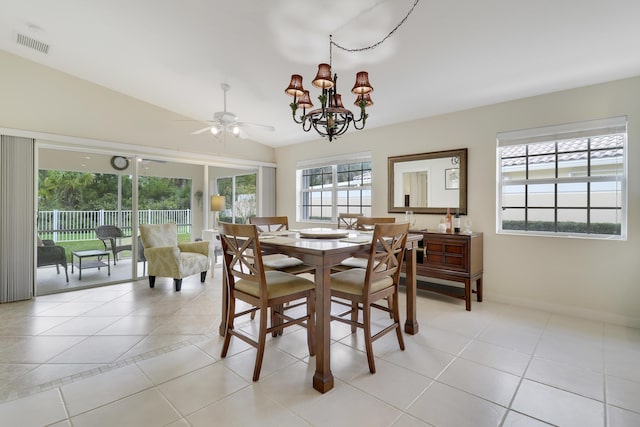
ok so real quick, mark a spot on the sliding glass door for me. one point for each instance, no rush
(90, 204)
(240, 193)
(83, 221)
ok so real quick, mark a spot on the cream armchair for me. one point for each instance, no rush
(168, 258)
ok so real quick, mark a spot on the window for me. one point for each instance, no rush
(240, 196)
(328, 187)
(567, 180)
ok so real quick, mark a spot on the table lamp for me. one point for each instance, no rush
(217, 205)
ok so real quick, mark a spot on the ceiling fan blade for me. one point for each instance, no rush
(264, 127)
(225, 121)
(199, 131)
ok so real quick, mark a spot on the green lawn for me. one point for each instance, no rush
(86, 245)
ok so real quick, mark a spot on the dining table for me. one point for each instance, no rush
(324, 249)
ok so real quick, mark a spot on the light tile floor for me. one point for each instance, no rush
(128, 355)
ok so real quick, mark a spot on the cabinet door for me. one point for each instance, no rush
(446, 253)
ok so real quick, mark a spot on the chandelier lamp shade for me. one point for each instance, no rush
(332, 119)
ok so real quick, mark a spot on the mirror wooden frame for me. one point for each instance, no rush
(461, 154)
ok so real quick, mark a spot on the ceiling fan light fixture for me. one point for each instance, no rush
(227, 122)
(215, 130)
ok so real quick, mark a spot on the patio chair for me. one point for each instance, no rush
(51, 254)
(108, 234)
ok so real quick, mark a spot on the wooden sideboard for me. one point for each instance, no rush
(454, 257)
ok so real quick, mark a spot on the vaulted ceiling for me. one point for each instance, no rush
(447, 56)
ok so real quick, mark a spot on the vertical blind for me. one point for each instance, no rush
(16, 218)
(267, 191)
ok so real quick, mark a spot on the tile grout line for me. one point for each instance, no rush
(6, 397)
(524, 373)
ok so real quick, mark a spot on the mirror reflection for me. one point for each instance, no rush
(428, 182)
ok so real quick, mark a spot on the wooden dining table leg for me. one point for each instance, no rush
(411, 324)
(323, 378)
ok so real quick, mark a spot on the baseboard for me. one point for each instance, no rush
(563, 309)
(567, 310)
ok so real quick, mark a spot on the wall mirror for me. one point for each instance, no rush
(429, 182)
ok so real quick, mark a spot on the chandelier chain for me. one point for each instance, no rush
(373, 46)
(333, 119)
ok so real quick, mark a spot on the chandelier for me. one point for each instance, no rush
(332, 119)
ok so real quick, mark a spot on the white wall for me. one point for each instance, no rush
(46, 100)
(591, 278)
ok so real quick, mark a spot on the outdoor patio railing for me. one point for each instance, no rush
(69, 226)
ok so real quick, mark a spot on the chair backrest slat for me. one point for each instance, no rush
(387, 252)
(270, 223)
(348, 221)
(242, 256)
(367, 222)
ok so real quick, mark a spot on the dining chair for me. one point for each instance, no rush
(362, 288)
(266, 224)
(347, 221)
(264, 290)
(362, 223)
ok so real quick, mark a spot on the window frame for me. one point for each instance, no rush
(333, 187)
(583, 133)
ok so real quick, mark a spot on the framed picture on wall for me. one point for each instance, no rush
(452, 179)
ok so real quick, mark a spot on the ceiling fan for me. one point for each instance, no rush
(226, 121)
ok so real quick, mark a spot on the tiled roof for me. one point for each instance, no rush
(568, 149)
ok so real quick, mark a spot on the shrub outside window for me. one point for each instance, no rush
(565, 180)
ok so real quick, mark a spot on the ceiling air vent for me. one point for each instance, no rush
(32, 43)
